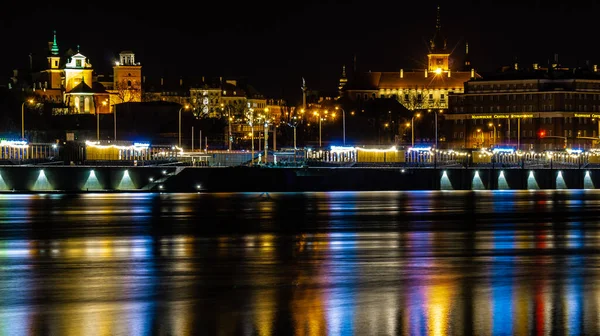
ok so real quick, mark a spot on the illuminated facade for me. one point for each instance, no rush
(222, 98)
(69, 80)
(533, 108)
(127, 79)
(416, 89)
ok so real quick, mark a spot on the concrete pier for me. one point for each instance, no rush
(193, 179)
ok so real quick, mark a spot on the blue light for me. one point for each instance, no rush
(420, 149)
(342, 148)
(503, 150)
(502, 273)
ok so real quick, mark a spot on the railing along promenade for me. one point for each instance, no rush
(459, 159)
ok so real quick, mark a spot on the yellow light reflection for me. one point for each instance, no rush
(439, 297)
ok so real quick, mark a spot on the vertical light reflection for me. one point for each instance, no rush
(438, 302)
(418, 262)
(502, 282)
(108, 268)
(574, 291)
(16, 286)
(308, 302)
(542, 303)
(523, 241)
(265, 297)
(341, 265)
(178, 250)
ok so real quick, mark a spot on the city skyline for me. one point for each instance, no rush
(274, 47)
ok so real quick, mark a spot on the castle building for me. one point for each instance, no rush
(416, 89)
(542, 108)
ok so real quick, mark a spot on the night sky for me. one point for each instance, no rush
(274, 44)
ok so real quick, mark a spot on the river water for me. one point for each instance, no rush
(337, 263)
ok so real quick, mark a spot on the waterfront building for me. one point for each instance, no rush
(427, 88)
(532, 107)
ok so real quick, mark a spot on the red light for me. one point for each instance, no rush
(542, 134)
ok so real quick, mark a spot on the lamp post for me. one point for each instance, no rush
(183, 107)
(98, 122)
(518, 133)
(494, 126)
(435, 116)
(266, 133)
(266, 110)
(30, 101)
(343, 125)
(250, 118)
(436, 128)
(412, 128)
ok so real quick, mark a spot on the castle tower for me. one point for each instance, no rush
(127, 76)
(54, 71)
(437, 58)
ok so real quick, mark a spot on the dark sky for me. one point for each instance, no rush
(274, 44)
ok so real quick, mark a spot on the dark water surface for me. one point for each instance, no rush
(339, 263)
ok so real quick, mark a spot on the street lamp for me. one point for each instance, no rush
(30, 101)
(494, 126)
(98, 122)
(294, 124)
(183, 107)
(479, 131)
(266, 131)
(343, 124)
(412, 122)
(250, 117)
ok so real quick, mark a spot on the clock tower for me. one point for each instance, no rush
(437, 58)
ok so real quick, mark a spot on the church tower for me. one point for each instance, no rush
(54, 71)
(78, 69)
(127, 77)
(343, 80)
(467, 58)
(437, 58)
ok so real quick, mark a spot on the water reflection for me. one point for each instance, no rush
(417, 263)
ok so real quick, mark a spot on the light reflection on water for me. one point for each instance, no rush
(417, 263)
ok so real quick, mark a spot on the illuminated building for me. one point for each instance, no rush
(416, 89)
(68, 81)
(535, 107)
(127, 79)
